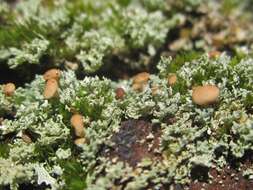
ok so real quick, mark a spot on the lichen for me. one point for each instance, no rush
(97, 36)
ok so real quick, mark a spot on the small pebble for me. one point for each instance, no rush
(150, 136)
(114, 160)
(150, 146)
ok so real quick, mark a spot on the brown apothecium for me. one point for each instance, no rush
(52, 74)
(140, 80)
(78, 124)
(120, 93)
(9, 89)
(172, 79)
(51, 89)
(205, 95)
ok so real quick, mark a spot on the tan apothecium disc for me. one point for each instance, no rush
(51, 89)
(138, 86)
(80, 141)
(214, 54)
(140, 80)
(172, 79)
(205, 95)
(52, 74)
(141, 77)
(78, 124)
(9, 89)
(155, 90)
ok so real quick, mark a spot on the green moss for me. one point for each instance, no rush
(73, 175)
(167, 66)
(237, 58)
(229, 5)
(248, 101)
(4, 150)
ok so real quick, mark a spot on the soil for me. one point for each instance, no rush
(136, 139)
(132, 145)
(229, 178)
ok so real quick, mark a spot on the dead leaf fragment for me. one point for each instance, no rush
(26, 138)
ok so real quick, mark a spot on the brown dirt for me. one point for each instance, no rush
(132, 145)
(229, 178)
(134, 142)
